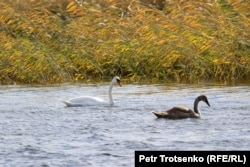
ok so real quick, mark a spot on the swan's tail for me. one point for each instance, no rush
(68, 104)
(160, 114)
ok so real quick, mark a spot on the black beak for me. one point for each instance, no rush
(207, 103)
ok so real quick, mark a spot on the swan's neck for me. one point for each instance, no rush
(196, 110)
(111, 101)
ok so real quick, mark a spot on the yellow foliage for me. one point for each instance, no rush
(57, 41)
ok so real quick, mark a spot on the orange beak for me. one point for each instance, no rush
(119, 83)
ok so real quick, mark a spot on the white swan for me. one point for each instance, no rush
(90, 101)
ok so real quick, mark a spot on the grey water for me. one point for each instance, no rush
(36, 129)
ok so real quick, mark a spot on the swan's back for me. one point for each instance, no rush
(176, 113)
(85, 101)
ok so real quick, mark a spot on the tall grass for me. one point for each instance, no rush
(61, 41)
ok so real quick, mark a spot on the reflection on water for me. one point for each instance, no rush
(37, 129)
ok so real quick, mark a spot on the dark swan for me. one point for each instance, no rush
(183, 112)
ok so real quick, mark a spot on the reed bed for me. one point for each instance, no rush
(66, 40)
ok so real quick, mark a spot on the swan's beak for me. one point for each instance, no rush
(119, 83)
(207, 103)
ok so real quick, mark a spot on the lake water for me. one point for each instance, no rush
(36, 129)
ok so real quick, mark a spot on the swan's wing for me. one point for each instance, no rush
(180, 112)
(179, 109)
(84, 101)
(174, 113)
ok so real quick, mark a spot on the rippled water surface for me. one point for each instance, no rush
(36, 129)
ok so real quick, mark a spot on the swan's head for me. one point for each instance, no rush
(204, 98)
(116, 80)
